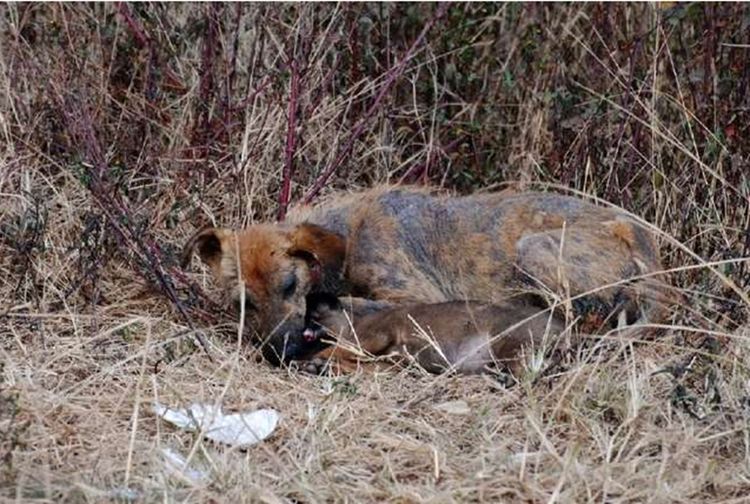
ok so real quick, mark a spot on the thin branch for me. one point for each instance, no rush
(418, 170)
(136, 28)
(392, 75)
(117, 214)
(291, 142)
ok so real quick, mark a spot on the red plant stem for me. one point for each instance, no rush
(239, 107)
(421, 169)
(206, 86)
(391, 76)
(135, 26)
(291, 143)
(235, 49)
(317, 97)
(144, 40)
(116, 211)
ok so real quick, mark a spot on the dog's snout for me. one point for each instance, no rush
(309, 335)
(290, 343)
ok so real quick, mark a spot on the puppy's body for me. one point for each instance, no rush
(463, 336)
(396, 245)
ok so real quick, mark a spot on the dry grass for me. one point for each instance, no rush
(126, 127)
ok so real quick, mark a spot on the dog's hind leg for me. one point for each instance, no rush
(605, 273)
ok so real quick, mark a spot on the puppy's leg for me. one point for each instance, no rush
(528, 342)
(349, 356)
(360, 307)
(340, 360)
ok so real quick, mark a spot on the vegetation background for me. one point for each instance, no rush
(127, 126)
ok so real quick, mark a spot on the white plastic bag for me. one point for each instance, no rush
(236, 429)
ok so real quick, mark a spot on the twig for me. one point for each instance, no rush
(206, 86)
(416, 171)
(291, 142)
(80, 125)
(392, 75)
(299, 63)
(135, 26)
(144, 40)
(235, 49)
(239, 107)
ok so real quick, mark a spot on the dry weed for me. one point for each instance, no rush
(126, 127)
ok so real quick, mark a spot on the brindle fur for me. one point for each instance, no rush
(397, 245)
(461, 336)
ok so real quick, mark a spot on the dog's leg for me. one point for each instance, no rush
(590, 268)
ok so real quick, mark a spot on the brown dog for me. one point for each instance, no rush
(462, 336)
(394, 245)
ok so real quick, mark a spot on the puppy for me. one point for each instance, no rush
(461, 336)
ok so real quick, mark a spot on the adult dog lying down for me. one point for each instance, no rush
(460, 336)
(397, 245)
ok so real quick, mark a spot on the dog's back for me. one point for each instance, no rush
(409, 246)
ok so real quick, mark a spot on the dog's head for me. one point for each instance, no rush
(272, 268)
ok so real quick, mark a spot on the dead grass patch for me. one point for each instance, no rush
(125, 127)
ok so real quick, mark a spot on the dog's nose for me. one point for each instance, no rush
(309, 335)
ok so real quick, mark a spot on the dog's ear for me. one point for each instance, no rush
(321, 248)
(210, 244)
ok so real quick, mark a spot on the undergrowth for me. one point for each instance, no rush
(126, 127)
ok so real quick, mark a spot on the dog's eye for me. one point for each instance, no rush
(289, 286)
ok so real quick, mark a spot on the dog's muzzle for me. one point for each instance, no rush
(290, 346)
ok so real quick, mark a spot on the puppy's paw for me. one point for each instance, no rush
(315, 365)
